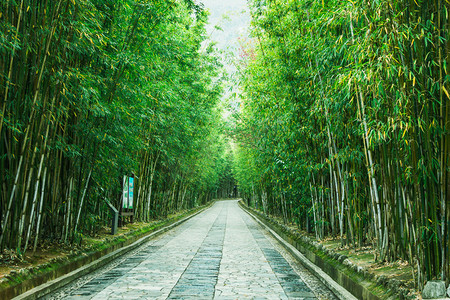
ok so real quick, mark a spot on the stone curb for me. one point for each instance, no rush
(61, 281)
(337, 289)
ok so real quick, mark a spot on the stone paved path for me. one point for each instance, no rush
(220, 254)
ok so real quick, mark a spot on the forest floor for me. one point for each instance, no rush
(365, 257)
(49, 251)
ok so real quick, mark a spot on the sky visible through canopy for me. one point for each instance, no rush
(233, 17)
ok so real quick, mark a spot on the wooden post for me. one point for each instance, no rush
(115, 218)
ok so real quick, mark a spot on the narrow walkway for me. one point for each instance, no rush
(220, 254)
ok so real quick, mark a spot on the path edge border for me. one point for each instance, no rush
(334, 279)
(109, 255)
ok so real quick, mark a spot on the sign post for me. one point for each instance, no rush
(128, 197)
(115, 217)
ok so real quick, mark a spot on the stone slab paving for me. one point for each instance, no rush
(244, 270)
(220, 254)
(200, 277)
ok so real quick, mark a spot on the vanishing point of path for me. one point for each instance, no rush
(221, 253)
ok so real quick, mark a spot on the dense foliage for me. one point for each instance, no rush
(344, 123)
(92, 90)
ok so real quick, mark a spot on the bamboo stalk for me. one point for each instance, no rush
(68, 211)
(371, 172)
(38, 223)
(152, 173)
(32, 214)
(11, 197)
(82, 200)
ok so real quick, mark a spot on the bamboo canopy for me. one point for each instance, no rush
(91, 91)
(344, 124)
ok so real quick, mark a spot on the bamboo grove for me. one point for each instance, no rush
(344, 123)
(92, 90)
